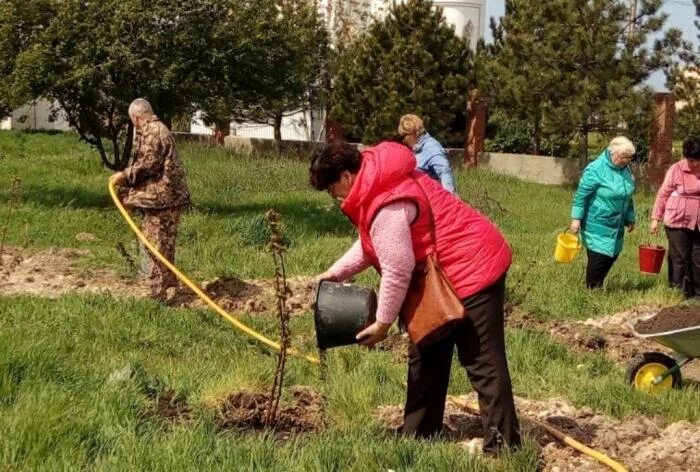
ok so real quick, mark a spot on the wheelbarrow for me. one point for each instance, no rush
(656, 372)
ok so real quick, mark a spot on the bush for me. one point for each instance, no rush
(509, 134)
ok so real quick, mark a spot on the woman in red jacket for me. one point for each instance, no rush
(390, 203)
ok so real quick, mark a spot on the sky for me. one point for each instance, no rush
(681, 15)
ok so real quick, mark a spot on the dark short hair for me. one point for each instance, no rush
(691, 147)
(331, 160)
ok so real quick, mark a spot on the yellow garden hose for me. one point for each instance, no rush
(224, 314)
(568, 440)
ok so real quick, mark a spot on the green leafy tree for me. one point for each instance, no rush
(284, 47)
(93, 58)
(572, 67)
(411, 62)
(20, 23)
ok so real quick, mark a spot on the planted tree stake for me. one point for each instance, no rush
(276, 247)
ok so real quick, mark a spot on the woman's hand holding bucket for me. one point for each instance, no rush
(327, 275)
(654, 226)
(575, 226)
(372, 334)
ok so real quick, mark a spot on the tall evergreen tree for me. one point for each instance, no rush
(573, 66)
(684, 80)
(411, 62)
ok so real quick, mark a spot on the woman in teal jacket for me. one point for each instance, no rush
(603, 207)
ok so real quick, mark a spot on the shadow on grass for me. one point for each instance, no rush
(65, 197)
(627, 286)
(304, 215)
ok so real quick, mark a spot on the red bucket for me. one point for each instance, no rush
(651, 258)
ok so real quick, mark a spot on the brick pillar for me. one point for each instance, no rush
(334, 130)
(475, 132)
(661, 140)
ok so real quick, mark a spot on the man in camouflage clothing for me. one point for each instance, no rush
(154, 183)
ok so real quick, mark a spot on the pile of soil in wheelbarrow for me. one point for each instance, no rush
(247, 411)
(670, 319)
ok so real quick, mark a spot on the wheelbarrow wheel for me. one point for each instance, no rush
(644, 369)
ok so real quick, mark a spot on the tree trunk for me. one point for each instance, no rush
(537, 136)
(128, 144)
(278, 131)
(583, 147)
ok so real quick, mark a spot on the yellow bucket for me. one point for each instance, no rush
(568, 245)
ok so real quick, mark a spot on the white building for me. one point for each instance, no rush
(35, 116)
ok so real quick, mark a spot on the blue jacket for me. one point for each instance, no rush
(432, 159)
(603, 203)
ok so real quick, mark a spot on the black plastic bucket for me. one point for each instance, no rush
(341, 311)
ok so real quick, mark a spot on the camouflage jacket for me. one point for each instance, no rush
(155, 176)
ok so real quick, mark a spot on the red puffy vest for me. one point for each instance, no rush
(472, 251)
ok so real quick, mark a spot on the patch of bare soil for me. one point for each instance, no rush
(169, 407)
(247, 411)
(609, 335)
(55, 272)
(397, 344)
(641, 444)
(249, 296)
(670, 319)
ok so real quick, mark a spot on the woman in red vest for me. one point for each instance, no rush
(390, 204)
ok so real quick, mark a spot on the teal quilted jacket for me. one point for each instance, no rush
(603, 203)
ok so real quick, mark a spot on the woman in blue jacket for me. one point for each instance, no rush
(431, 157)
(603, 207)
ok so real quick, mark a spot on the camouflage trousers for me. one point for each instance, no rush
(160, 228)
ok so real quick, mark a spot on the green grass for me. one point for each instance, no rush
(75, 376)
(64, 193)
(75, 372)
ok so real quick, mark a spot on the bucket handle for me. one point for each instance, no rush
(648, 243)
(578, 237)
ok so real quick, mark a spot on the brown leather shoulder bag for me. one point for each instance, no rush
(431, 307)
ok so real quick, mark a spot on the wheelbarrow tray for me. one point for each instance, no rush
(685, 341)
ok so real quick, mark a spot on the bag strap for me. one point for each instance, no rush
(431, 217)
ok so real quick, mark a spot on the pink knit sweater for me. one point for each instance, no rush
(391, 238)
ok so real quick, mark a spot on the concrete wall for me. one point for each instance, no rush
(267, 146)
(538, 169)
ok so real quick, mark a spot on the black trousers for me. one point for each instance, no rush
(684, 260)
(481, 349)
(597, 268)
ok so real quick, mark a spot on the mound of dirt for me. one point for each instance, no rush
(250, 296)
(57, 271)
(607, 334)
(169, 407)
(639, 443)
(247, 411)
(670, 319)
